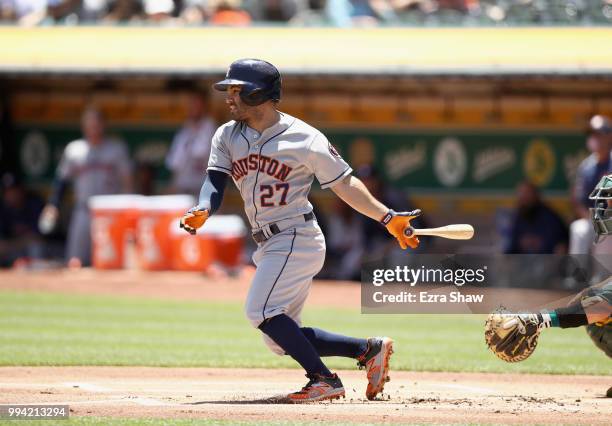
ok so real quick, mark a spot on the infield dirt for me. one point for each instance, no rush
(239, 394)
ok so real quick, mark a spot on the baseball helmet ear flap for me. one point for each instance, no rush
(253, 97)
(260, 95)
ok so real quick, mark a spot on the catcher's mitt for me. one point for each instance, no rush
(512, 337)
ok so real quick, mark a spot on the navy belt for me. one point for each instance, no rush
(260, 236)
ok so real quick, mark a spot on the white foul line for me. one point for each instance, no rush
(149, 402)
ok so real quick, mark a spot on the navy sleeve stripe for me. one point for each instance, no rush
(219, 168)
(339, 176)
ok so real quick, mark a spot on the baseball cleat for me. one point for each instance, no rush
(319, 388)
(376, 363)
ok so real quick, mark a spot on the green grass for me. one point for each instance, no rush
(60, 329)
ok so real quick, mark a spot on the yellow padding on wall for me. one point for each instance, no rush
(331, 108)
(379, 109)
(570, 111)
(424, 110)
(521, 109)
(473, 110)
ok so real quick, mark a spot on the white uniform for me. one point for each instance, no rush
(189, 154)
(94, 170)
(274, 171)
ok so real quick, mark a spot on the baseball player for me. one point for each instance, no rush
(590, 171)
(591, 308)
(191, 146)
(96, 165)
(273, 158)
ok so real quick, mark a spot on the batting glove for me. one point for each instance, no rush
(398, 225)
(194, 219)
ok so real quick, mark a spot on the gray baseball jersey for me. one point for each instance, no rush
(94, 170)
(274, 171)
(188, 155)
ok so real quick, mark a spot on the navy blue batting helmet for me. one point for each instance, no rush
(260, 81)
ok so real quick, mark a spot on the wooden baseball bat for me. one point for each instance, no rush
(460, 231)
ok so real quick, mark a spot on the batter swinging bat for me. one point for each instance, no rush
(460, 231)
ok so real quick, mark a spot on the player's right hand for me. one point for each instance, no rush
(397, 223)
(194, 219)
(48, 219)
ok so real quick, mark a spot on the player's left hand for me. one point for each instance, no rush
(397, 223)
(512, 337)
(48, 219)
(194, 219)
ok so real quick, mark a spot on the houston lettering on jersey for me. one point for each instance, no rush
(254, 162)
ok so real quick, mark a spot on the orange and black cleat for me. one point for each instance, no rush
(319, 388)
(376, 362)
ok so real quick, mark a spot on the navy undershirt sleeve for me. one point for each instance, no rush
(57, 191)
(212, 190)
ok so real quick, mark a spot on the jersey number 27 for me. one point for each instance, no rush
(267, 192)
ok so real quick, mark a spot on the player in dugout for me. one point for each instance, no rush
(95, 165)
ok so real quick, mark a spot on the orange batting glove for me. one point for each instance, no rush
(398, 225)
(194, 219)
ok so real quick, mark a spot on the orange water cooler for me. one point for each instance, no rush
(154, 235)
(113, 226)
(220, 240)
